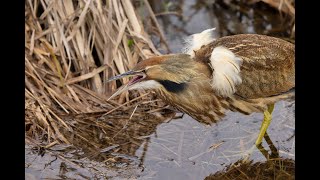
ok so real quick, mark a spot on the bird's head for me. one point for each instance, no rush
(169, 73)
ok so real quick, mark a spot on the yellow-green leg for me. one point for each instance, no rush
(274, 151)
(265, 124)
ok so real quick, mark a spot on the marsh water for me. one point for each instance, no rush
(180, 148)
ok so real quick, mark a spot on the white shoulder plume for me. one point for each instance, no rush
(226, 71)
(196, 41)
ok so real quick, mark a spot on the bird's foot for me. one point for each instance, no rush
(246, 154)
(274, 151)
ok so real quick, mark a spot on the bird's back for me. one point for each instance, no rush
(268, 66)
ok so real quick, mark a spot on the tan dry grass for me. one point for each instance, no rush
(71, 49)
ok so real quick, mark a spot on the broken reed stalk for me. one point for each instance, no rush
(71, 49)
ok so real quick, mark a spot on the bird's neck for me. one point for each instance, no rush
(195, 98)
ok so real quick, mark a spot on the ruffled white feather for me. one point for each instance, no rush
(226, 71)
(196, 41)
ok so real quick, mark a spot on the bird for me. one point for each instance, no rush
(243, 73)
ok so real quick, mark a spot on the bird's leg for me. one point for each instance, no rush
(265, 124)
(274, 150)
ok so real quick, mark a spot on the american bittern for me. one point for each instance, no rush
(245, 73)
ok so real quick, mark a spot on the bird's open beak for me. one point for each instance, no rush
(138, 76)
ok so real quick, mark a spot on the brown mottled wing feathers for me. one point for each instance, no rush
(268, 66)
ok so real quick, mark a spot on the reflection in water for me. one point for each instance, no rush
(274, 150)
(108, 140)
(274, 168)
(182, 18)
(114, 138)
(157, 148)
(239, 17)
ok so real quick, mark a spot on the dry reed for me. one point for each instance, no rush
(71, 49)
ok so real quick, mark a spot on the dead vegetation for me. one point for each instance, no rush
(285, 6)
(71, 49)
(273, 169)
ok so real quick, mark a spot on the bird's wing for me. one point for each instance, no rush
(267, 65)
